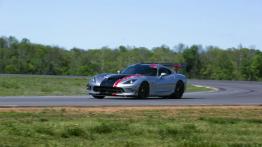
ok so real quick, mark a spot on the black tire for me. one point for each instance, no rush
(98, 96)
(179, 90)
(143, 91)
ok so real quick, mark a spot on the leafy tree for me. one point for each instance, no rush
(256, 66)
(192, 59)
(22, 56)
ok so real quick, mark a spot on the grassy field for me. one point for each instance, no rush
(50, 85)
(41, 85)
(173, 126)
(192, 88)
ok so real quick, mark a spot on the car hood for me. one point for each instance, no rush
(108, 80)
(101, 77)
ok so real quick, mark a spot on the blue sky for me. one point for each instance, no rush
(97, 23)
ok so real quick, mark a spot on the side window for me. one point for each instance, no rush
(150, 72)
(164, 70)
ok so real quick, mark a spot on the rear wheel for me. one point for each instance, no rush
(179, 90)
(143, 91)
(98, 96)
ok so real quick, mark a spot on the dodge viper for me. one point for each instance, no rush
(141, 81)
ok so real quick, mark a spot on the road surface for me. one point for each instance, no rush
(228, 93)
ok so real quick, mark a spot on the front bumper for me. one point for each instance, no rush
(128, 91)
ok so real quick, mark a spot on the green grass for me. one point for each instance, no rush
(192, 88)
(185, 127)
(41, 85)
(50, 85)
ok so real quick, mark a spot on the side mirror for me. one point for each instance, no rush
(162, 74)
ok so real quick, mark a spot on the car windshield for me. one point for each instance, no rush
(141, 69)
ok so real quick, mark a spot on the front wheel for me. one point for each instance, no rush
(143, 91)
(98, 96)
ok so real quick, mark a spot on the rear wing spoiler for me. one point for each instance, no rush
(175, 66)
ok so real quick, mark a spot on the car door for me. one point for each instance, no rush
(165, 82)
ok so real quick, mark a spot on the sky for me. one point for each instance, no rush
(142, 23)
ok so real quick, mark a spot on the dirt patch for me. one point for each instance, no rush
(119, 108)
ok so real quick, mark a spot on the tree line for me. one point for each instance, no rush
(24, 57)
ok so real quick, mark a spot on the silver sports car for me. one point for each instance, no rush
(141, 81)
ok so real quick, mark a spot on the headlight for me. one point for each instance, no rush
(93, 80)
(130, 81)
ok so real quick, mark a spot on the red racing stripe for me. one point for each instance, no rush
(153, 65)
(125, 78)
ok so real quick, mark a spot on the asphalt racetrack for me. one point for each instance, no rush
(227, 93)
